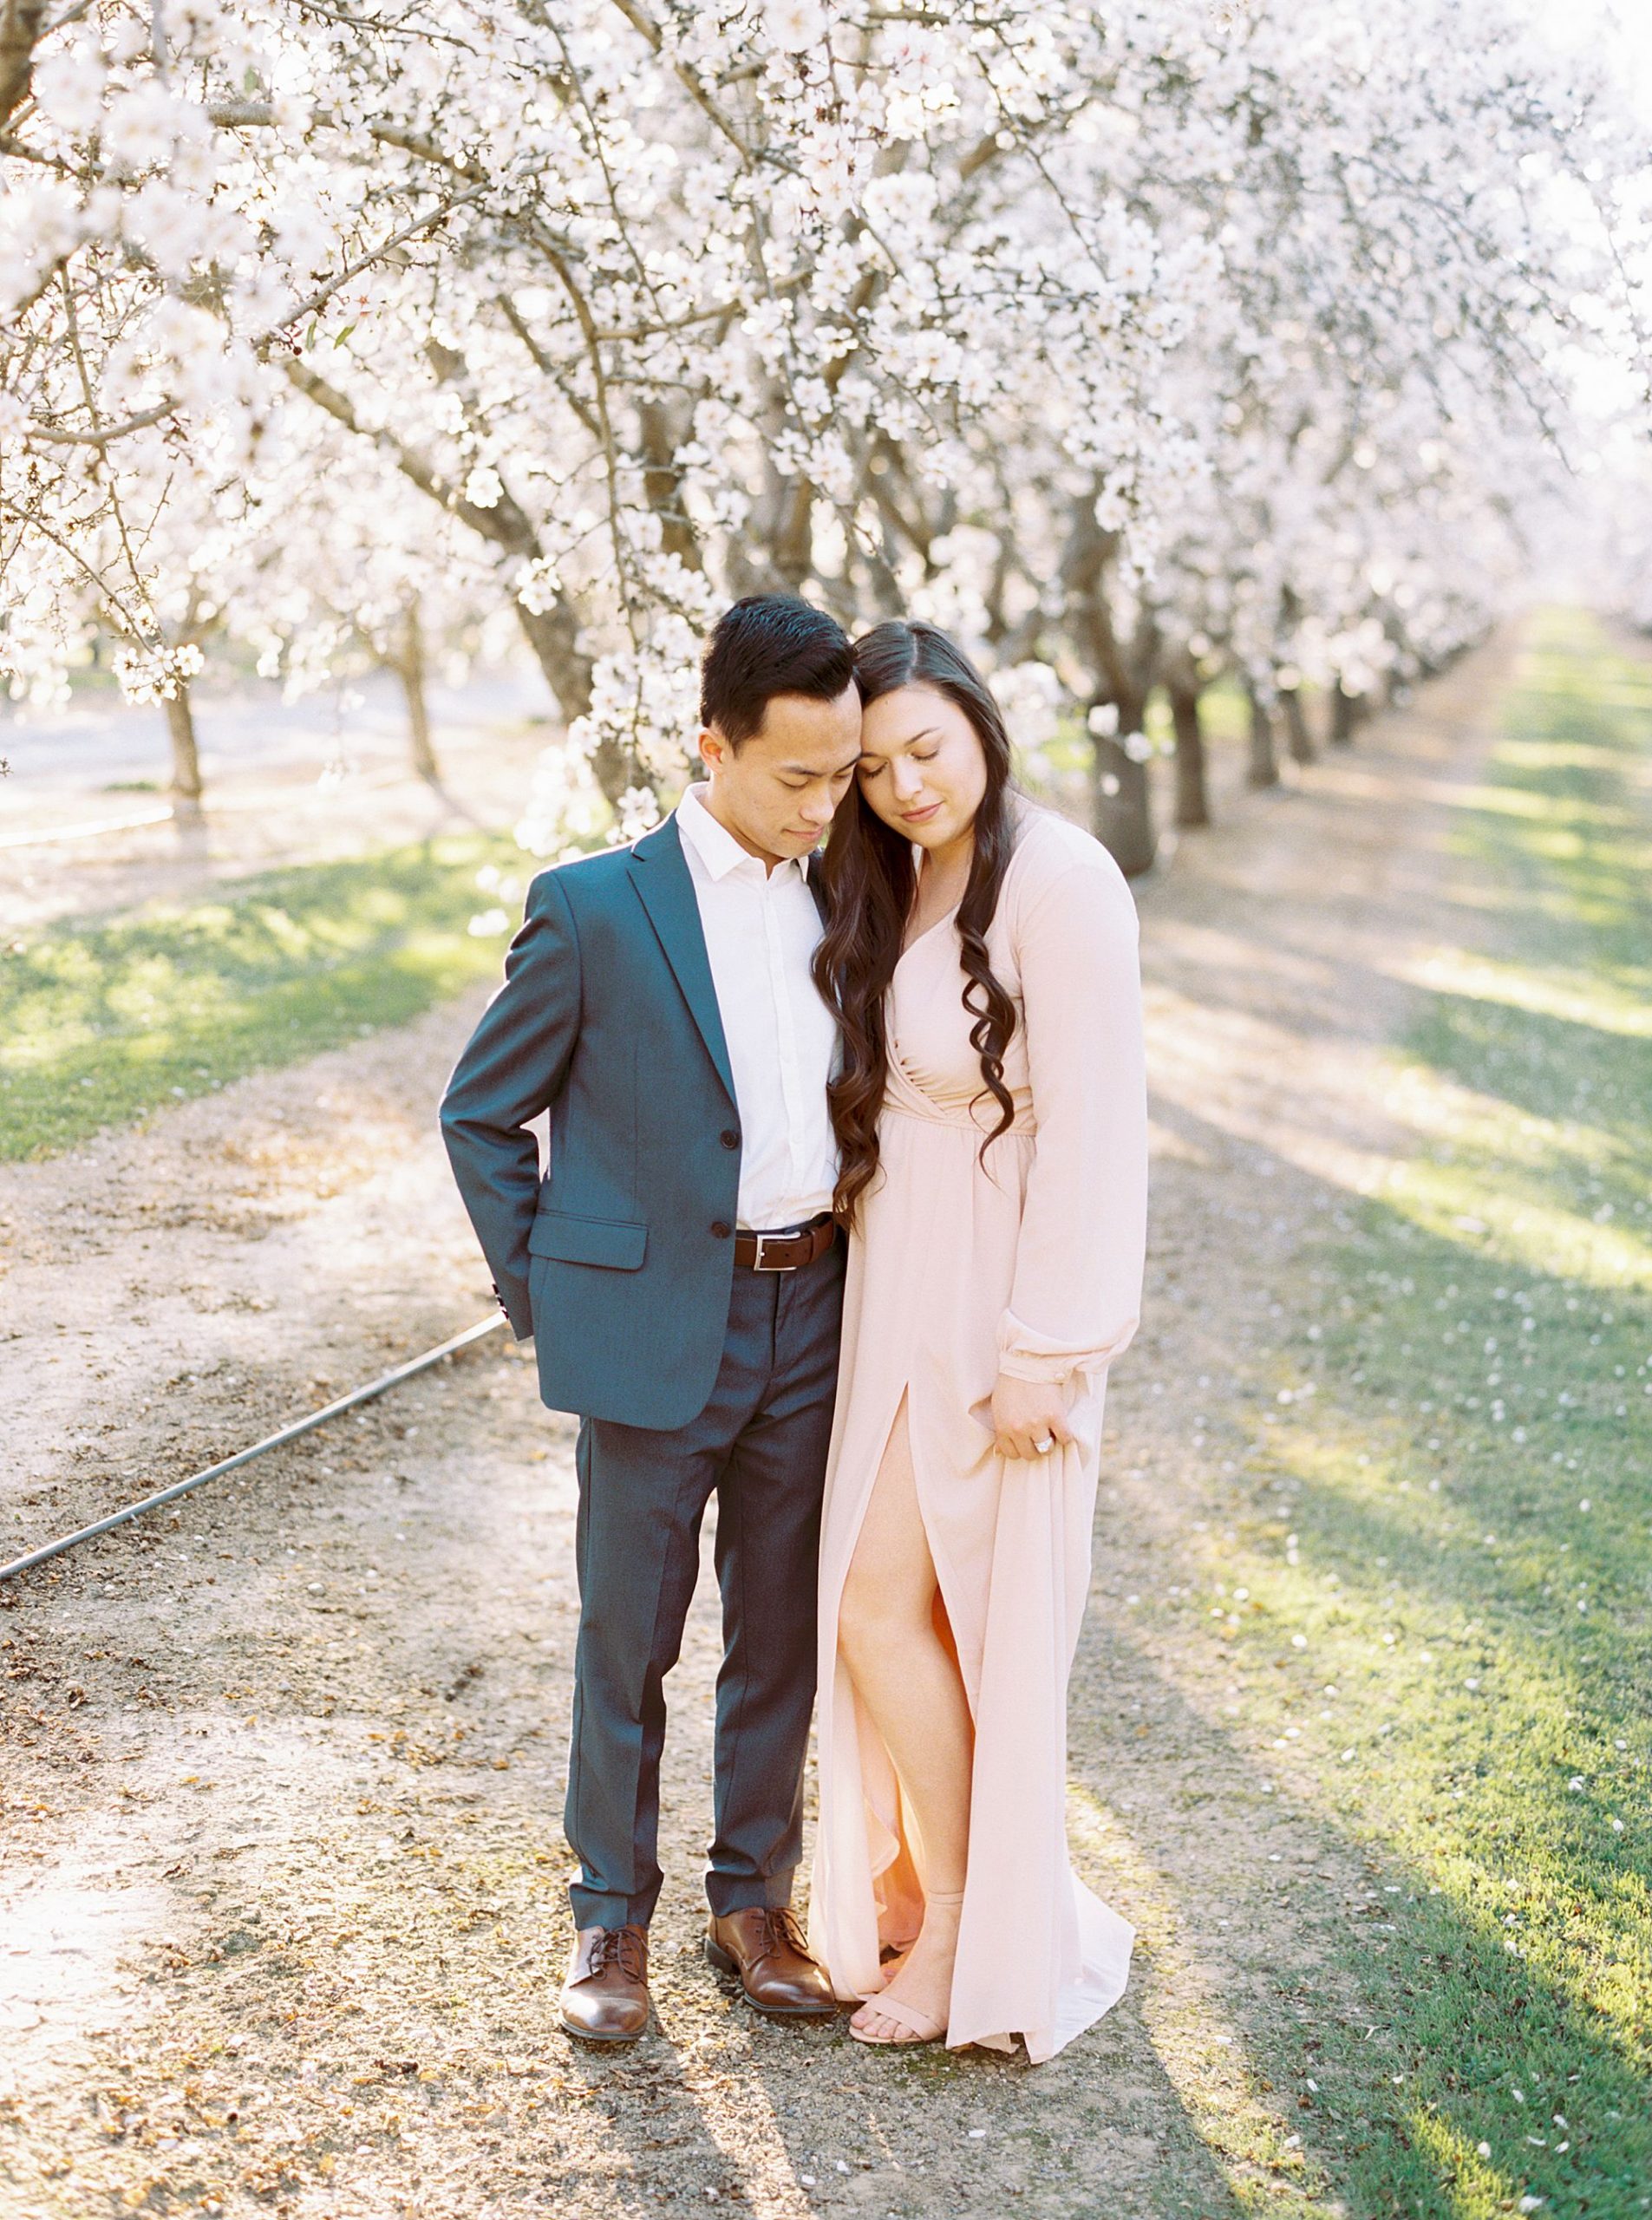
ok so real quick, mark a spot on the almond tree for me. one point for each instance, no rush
(649, 302)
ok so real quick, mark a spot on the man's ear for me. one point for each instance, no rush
(712, 747)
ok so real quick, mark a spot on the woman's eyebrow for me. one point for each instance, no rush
(874, 755)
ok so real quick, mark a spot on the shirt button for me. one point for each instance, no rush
(720, 1229)
(729, 1139)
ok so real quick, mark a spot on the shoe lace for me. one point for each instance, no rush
(620, 1946)
(782, 1931)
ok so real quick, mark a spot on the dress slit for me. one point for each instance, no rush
(945, 1606)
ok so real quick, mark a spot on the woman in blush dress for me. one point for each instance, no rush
(991, 1110)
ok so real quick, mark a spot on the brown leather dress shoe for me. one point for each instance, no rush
(763, 1948)
(604, 1999)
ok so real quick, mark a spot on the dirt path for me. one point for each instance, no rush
(283, 1882)
(286, 783)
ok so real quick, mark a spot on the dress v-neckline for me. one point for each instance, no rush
(945, 918)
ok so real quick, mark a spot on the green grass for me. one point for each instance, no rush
(1457, 1557)
(1067, 758)
(1224, 714)
(104, 1020)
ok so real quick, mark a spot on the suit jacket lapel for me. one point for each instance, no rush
(660, 874)
(816, 878)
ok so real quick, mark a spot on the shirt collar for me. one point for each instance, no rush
(716, 846)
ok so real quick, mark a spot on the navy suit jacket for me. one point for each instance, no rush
(620, 1261)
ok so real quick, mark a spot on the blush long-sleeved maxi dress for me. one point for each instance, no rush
(1028, 1262)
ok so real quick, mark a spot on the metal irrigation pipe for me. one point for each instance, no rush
(245, 1456)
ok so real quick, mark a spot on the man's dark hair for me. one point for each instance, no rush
(767, 644)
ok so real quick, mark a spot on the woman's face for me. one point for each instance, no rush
(921, 766)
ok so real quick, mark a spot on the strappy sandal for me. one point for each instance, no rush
(923, 2026)
(923, 2030)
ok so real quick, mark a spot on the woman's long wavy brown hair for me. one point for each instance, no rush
(870, 883)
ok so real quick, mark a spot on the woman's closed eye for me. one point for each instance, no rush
(916, 755)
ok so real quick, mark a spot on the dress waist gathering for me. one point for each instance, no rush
(904, 1098)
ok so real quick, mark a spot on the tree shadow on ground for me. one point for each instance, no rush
(1417, 1508)
(1414, 2050)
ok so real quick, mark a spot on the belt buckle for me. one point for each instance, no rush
(763, 1240)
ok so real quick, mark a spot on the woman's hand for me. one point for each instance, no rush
(1029, 1417)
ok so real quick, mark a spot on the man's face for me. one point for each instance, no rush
(777, 793)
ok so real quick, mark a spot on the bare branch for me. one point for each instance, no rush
(642, 22)
(320, 297)
(106, 435)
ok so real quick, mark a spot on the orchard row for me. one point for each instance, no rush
(1138, 345)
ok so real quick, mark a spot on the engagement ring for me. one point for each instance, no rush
(1044, 1446)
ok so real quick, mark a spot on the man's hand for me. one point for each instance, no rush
(1029, 1417)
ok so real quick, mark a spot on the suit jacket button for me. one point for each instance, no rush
(720, 1231)
(729, 1139)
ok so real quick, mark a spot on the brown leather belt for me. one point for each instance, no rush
(786, 1252)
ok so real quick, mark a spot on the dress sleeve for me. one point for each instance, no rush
(1076, 1296)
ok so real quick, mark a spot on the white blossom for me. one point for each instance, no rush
(1009, 317)
(70, 88)
(794, 26)
(484, 487)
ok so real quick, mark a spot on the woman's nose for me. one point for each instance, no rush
(908, 779)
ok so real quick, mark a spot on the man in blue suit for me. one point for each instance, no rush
(679, 1268)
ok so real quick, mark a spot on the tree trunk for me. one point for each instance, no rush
(186, 758)
(1122, 798)
(1193, 793)
(1120, 794)
(793, 552)
(661, 484)
(553, 634)
(409, 664)
(1299, 741)
(21, 24)
(1344, 716)
(1264, 767)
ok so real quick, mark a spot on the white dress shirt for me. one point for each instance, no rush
(761, 928)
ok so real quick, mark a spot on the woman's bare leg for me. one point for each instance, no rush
(907, 1680)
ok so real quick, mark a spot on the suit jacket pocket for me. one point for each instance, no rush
(606, 1241)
